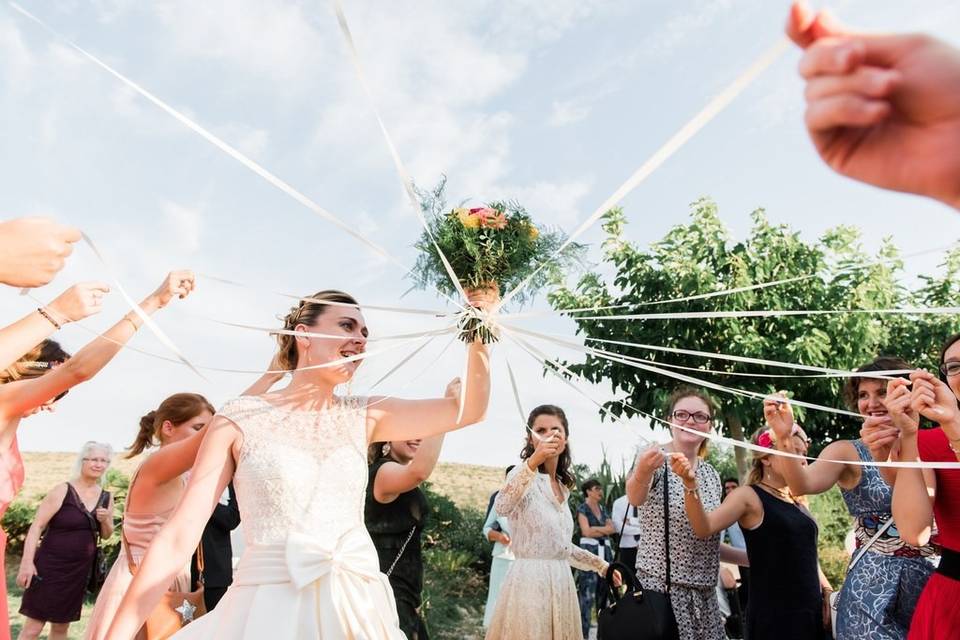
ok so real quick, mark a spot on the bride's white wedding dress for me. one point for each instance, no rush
(309, 569)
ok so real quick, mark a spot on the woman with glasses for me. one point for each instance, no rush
(880, 592)
(919, 496)
(694, 562)
(61, 546)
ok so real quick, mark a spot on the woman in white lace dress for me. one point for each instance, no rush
(297, 457)
(538, 599)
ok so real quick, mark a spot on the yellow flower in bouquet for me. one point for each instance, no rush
(533, 232)
(467, 219)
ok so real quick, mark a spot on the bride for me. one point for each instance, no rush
(297, 457)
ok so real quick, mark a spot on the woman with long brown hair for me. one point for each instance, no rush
(535, 499)
(155, 489)
(298, 460)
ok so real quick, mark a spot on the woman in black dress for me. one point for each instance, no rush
(787, 589)
(395, 514)
(71, 519)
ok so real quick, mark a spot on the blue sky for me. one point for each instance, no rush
(553, 104)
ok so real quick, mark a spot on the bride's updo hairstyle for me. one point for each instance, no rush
(306, 313)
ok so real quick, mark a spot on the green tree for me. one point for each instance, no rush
(699, 258)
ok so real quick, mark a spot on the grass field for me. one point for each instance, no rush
(466, 485)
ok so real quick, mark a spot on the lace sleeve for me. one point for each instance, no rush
(585, 560)
(512, 493)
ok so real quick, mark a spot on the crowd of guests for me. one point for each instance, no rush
(678, 527)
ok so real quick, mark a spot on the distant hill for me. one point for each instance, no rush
(467, 485)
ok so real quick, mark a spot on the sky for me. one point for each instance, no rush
(552, 104)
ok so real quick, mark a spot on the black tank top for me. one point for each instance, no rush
(784, 601)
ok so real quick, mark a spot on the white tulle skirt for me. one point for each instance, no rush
(302, 591)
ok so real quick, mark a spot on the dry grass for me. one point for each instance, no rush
(467, 485)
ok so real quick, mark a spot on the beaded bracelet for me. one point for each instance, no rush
(43, 312)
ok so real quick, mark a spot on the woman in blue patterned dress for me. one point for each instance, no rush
(881, 591)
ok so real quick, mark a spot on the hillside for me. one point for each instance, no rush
(466, 484)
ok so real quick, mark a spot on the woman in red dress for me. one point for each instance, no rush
(38, 379)
(919, 496)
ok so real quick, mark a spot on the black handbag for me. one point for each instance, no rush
(639, 614)
(98, 572)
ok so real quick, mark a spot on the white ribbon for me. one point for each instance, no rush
(551, 367)
(631, 362)
(773, 313)
(154, 328)
(234, 153)
(680, 138)
(394, 154)
(822, 371)
(374, 307)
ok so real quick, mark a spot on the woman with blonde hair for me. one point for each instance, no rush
(297, 457)
(786, 596)
(46, 373)
(61, 546)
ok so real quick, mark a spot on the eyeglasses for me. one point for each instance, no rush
(100, 460)
(699, 417)
(950, 369)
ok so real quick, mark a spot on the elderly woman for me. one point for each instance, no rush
(61, 546)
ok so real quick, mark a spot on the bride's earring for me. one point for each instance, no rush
(385, 449)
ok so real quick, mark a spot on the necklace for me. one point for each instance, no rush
(781, 493)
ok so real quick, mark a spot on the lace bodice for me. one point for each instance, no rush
(541, 528)
(299, 470)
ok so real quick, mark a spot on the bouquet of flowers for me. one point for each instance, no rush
(494, 245)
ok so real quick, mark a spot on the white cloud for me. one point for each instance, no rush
(273, 39)
(556, 204)
(185, 223)
(250, 140)
(17, 63)
(564, 112)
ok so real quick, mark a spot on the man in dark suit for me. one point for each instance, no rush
(217, 550)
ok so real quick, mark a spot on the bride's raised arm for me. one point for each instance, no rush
(397, 419)
(391, 419)
(177, 540)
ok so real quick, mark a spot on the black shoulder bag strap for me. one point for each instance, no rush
(626, 516)
(666, 519)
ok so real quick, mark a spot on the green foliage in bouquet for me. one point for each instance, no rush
(496, 243)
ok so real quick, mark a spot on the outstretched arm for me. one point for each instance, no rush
(176, 541)
(76, 303)
(739, 505)
(171, 461)
(803, 480)
(17, 398)
(396, 419)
